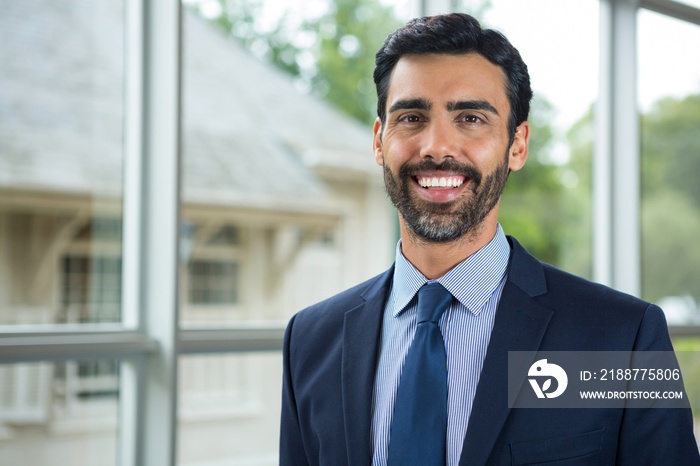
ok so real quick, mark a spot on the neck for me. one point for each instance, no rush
(434, 260)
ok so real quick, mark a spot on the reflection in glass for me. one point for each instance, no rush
(547, 204)
(63, 413)
(229, 409)
(669, 85)
(283, 204)
(61, 92)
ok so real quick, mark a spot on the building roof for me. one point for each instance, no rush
(249, 137)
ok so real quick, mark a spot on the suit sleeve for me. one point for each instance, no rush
(291, 444)
(669, 432)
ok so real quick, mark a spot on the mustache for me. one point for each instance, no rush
(449, 165)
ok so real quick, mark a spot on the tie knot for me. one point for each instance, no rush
(433, 300)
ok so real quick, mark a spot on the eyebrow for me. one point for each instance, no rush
(425, 104)
(411, 104)
(471, 105)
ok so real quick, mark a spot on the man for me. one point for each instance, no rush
(453, 102)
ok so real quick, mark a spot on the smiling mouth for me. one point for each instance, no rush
(440, 181)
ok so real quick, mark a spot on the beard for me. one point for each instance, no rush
(446, 221)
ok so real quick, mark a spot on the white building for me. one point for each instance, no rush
(283, 205)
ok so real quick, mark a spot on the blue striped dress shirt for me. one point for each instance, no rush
(476, 283)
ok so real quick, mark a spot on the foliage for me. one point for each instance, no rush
(670, 211)
(577, 216)
(671, 198)
(670, 256)
(241, 19)
(671, 147)
(330, 55)
(531, 206)
(346, 59)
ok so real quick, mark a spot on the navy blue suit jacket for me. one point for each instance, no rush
(330, 356)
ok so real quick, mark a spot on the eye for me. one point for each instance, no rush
(470, 118)
(410, 118)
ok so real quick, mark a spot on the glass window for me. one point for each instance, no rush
(212, 282)
(669, 95)
(283, 203)
(693, 3)
(91, 289)
(229, 409)
(547, 205)
(61, 107)
(65, 411)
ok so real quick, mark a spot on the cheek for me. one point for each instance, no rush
(487, 152)
(396, 153)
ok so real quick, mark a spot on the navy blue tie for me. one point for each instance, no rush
(419, 427)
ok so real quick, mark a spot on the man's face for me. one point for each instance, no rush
(444, 146)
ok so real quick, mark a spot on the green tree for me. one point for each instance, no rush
(577, 215)
(330, 55)
(278, 42)
(671, 199)
(345, 60)
(670, 252)
(531, 207)
(670, 212)
(671, 147)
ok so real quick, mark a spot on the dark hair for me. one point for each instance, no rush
(455, 34)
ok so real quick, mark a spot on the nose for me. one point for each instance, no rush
(440, 141)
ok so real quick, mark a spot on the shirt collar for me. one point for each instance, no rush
(472, 281)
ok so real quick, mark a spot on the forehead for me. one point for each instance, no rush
(441, 77)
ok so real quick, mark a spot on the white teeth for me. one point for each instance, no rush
(442, 182)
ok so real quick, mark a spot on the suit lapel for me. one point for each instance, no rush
(361, 334)
(519, 325)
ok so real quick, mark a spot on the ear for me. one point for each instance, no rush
(518, 150)
(377, 143)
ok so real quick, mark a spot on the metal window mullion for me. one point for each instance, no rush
(131, 371)
(133, 164)
(231, 340)
(626, 152)
(673, 9)
(602, 195)
(62, 345)
(162, 225)
(616, 235)
(148, 400)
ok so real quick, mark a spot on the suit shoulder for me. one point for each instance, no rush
(603, 318)
(562, 290)
(595, 309)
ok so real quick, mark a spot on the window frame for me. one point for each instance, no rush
(616, 195)
(149, 341)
